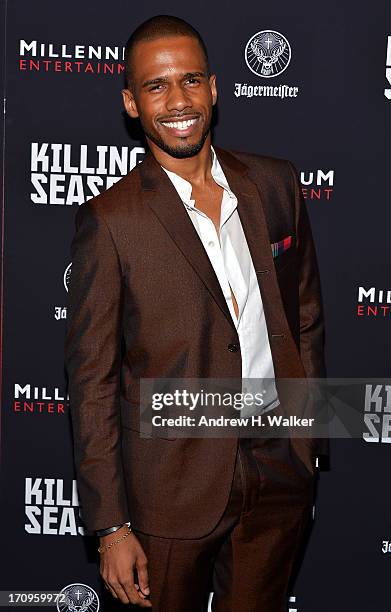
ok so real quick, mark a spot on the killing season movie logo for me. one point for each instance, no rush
(66, 174)
(52, 507)
(377, 417)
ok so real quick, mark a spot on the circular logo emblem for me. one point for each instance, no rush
(267, 53)
(78, 597)
(67, 276)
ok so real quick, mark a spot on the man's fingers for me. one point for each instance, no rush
(132, 593)
(126, 592)
(142, 574)
(120, 592)
(113, 593)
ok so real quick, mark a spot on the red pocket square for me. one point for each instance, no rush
(281, 246)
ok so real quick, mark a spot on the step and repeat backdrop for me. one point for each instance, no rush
(310, 82)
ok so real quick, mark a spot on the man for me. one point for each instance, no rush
(173, 276)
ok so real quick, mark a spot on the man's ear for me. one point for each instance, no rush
(213, 88)
(129, 103)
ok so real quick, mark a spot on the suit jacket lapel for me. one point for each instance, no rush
(251, 209)
(253, 220)
(162, 197)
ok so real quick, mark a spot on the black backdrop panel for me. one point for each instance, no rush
(66, 138)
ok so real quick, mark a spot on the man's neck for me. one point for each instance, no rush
(195, 169)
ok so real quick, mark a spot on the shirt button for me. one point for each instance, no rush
(211, 243)
(233, 348)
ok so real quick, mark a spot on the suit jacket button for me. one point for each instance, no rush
(233, 348)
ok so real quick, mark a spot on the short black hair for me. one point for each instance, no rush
(159, 26)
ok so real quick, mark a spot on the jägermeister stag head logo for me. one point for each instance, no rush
(267, 53)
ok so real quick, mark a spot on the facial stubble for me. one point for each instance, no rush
(182, 151)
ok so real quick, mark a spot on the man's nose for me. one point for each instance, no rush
(177, 99)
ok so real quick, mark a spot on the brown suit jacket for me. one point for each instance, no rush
(144, 301)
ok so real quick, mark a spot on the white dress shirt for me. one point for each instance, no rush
(232, 263)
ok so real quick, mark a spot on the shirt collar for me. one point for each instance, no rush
(184, 187)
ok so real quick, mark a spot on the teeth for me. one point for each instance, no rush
(179, 125)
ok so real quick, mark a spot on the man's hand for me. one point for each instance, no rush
(117, 565)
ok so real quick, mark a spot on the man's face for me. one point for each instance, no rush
(172, 94)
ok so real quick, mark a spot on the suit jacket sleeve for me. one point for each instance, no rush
(312, 328)
(93, 362)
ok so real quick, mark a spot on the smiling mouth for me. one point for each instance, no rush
(181, 125)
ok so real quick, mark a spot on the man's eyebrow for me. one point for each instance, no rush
(154, 81)
(162, 79)
(188, 75)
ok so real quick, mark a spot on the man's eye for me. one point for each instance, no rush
(193, 80)
(155, 87)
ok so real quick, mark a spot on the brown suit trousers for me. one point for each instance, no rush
(247, 559)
